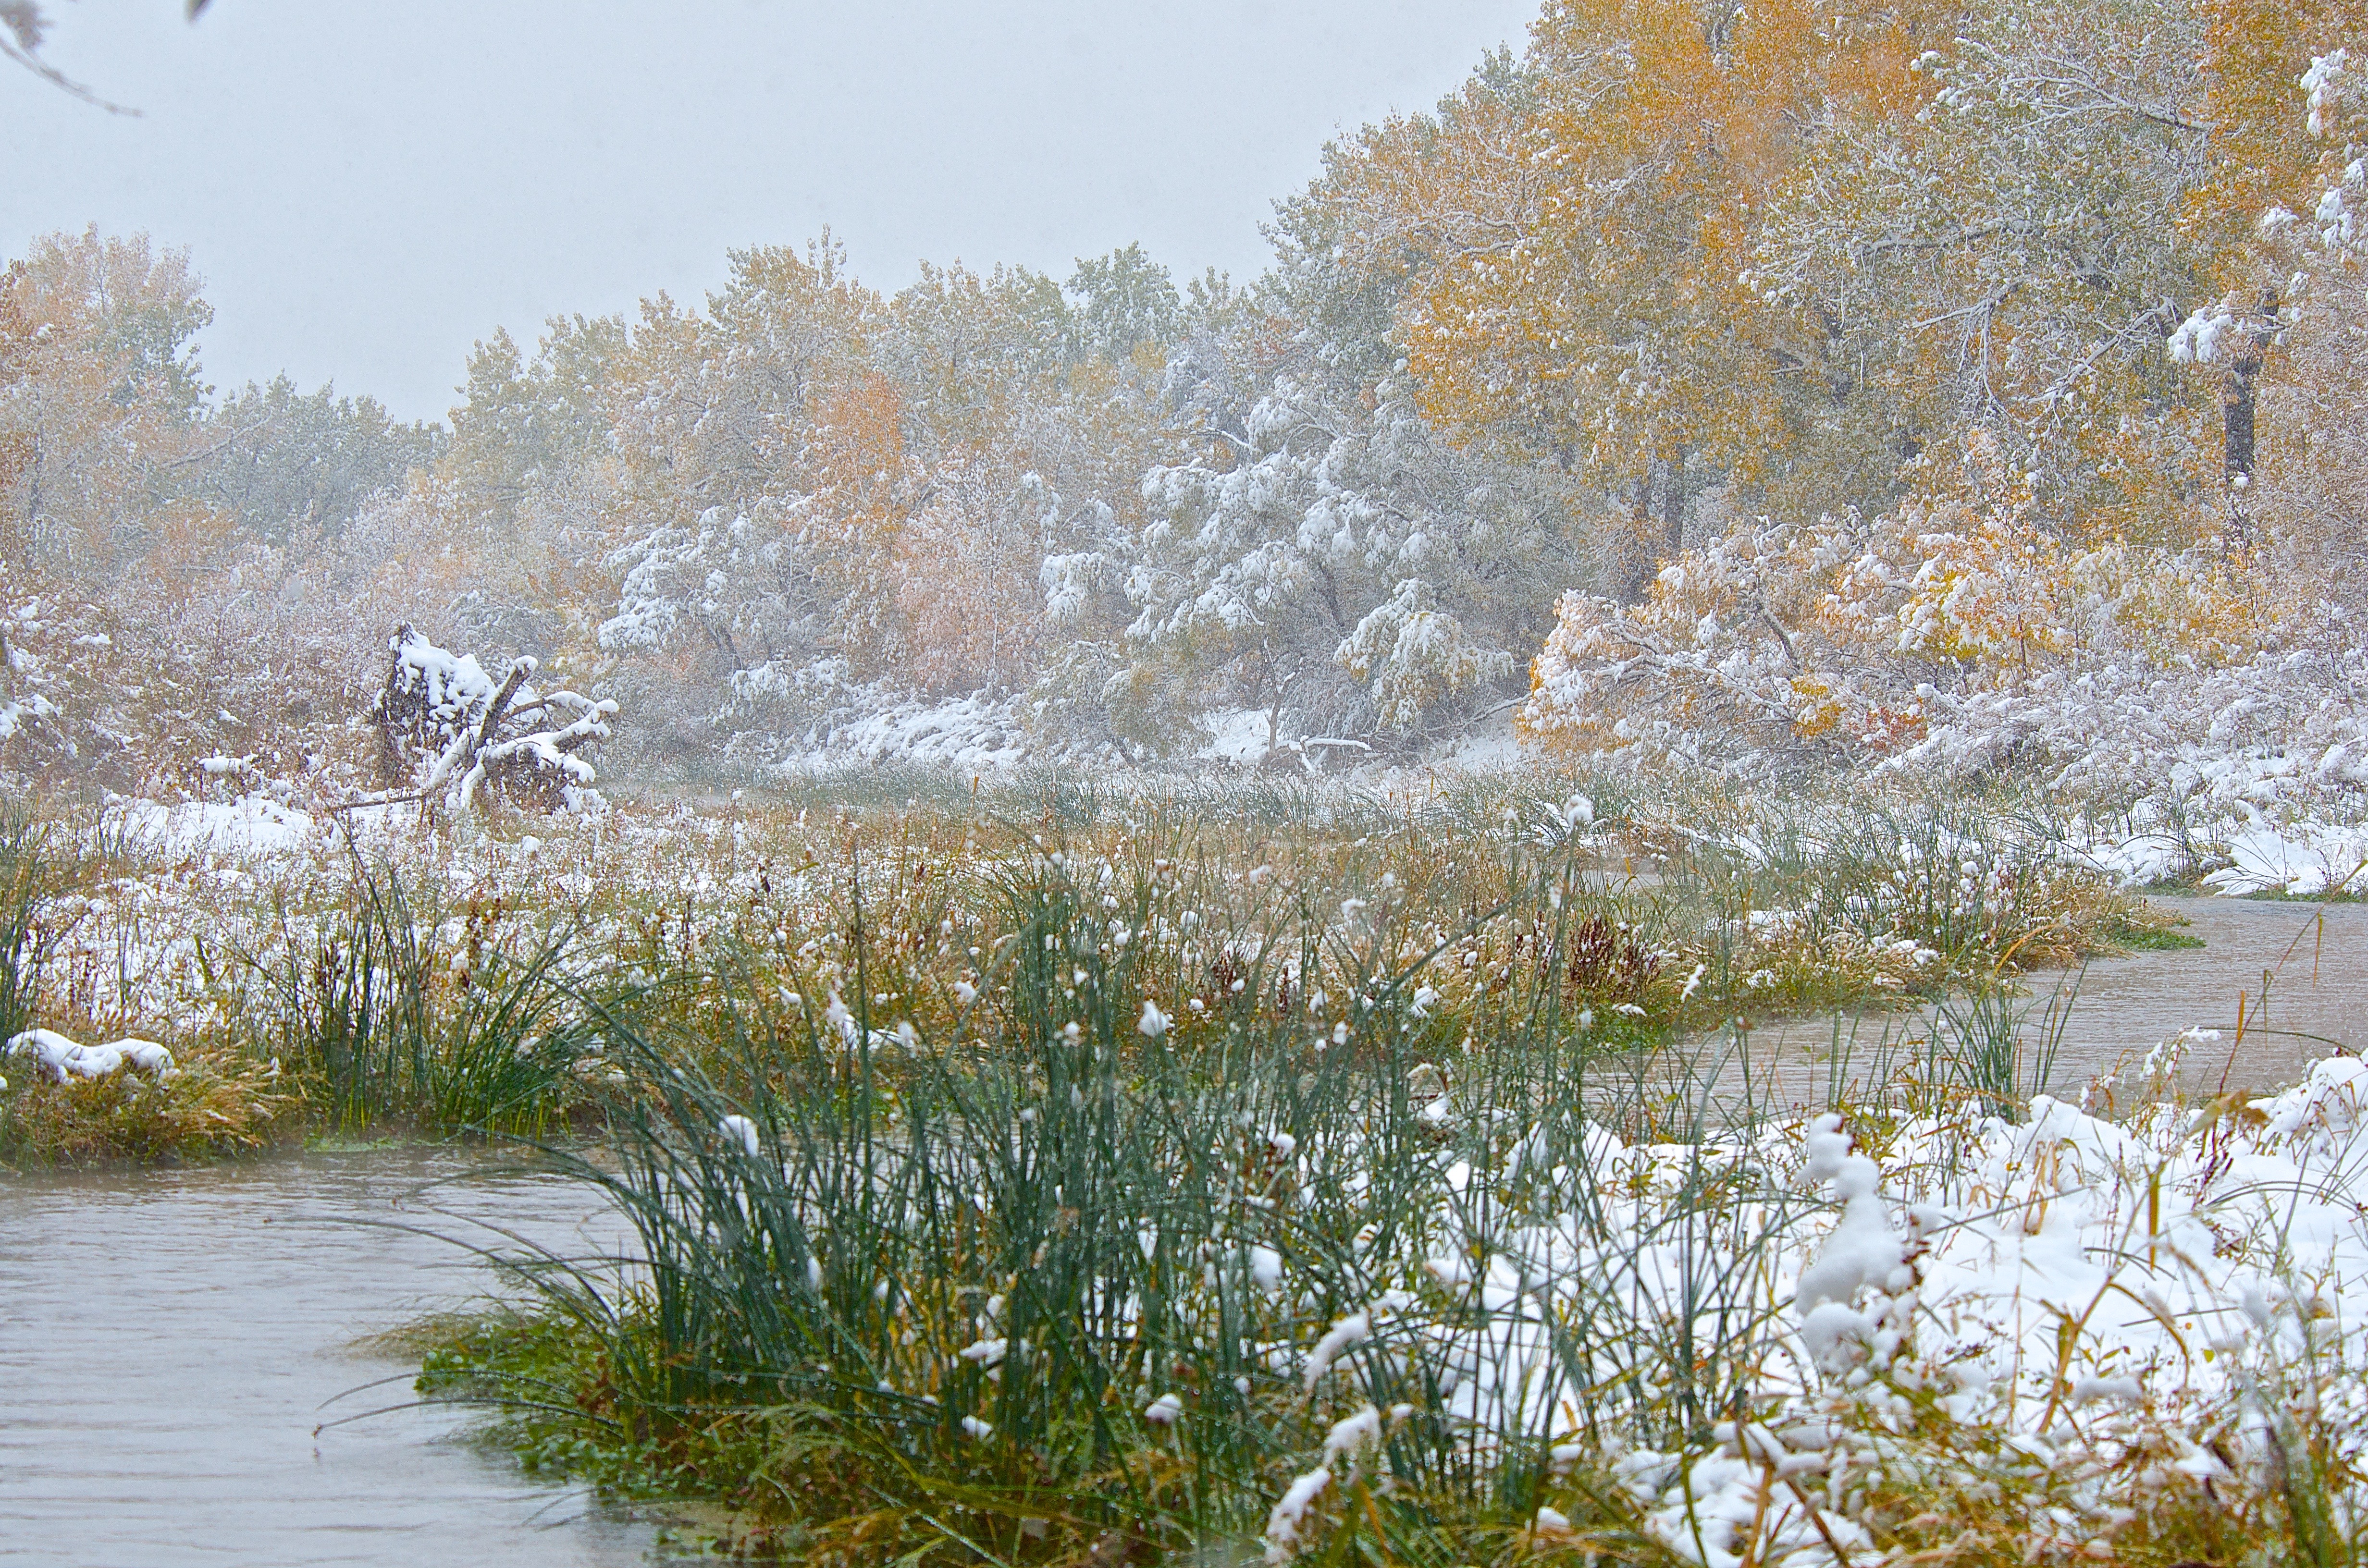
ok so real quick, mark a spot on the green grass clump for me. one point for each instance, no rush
(919, 1296)
(389, 1012)
(2162, 938)
(905, 1293)
(31, 873)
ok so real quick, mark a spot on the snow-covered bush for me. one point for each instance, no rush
(261, 654)
(1955, 630)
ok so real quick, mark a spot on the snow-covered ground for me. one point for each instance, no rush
(978, 735)
(2304, 858)
(2095, 1311)
(2243, 821)
(2231, 847)
(249, 826)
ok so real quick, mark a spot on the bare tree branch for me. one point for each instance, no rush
(22, 29)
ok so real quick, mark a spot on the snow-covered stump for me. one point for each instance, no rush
(449, 731)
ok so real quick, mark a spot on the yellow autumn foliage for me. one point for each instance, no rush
(1838, 635)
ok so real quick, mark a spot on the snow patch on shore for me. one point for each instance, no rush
(62, 1058)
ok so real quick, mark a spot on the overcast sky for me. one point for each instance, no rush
(370, 186)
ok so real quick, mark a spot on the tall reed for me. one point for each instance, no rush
(1069, 1273)
(445, 1021)
(29, 872)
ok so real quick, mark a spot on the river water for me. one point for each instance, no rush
(2295, 976)
(170, 1340)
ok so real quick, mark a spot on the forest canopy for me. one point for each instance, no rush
(1748, 386)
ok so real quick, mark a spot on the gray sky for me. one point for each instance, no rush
(368, 187)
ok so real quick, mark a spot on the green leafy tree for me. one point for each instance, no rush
(285, 463)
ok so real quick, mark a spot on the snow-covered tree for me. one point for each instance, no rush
(1998, 242)
(1341, 567)
(283, 464)
(2290, 339)
(526, 424)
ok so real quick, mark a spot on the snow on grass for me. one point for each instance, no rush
(249, 826)
(978, 734)
(62, 1058)
(2304, 860)
(1235, 735)
(2079, 1293)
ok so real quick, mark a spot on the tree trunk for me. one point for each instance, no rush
(2236, 415)
(1675, 498)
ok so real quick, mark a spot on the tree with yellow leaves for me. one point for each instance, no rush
(101, 398)
(2288, 202)
(1728, 261)
(1858, 638)
(1577, 232)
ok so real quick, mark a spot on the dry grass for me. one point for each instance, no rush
(214, 1101)
(1747, 909)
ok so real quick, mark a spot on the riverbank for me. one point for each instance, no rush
(300, 974)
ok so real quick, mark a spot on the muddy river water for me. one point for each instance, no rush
(2282, 983)
(2296, 975)
(171, 1342)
